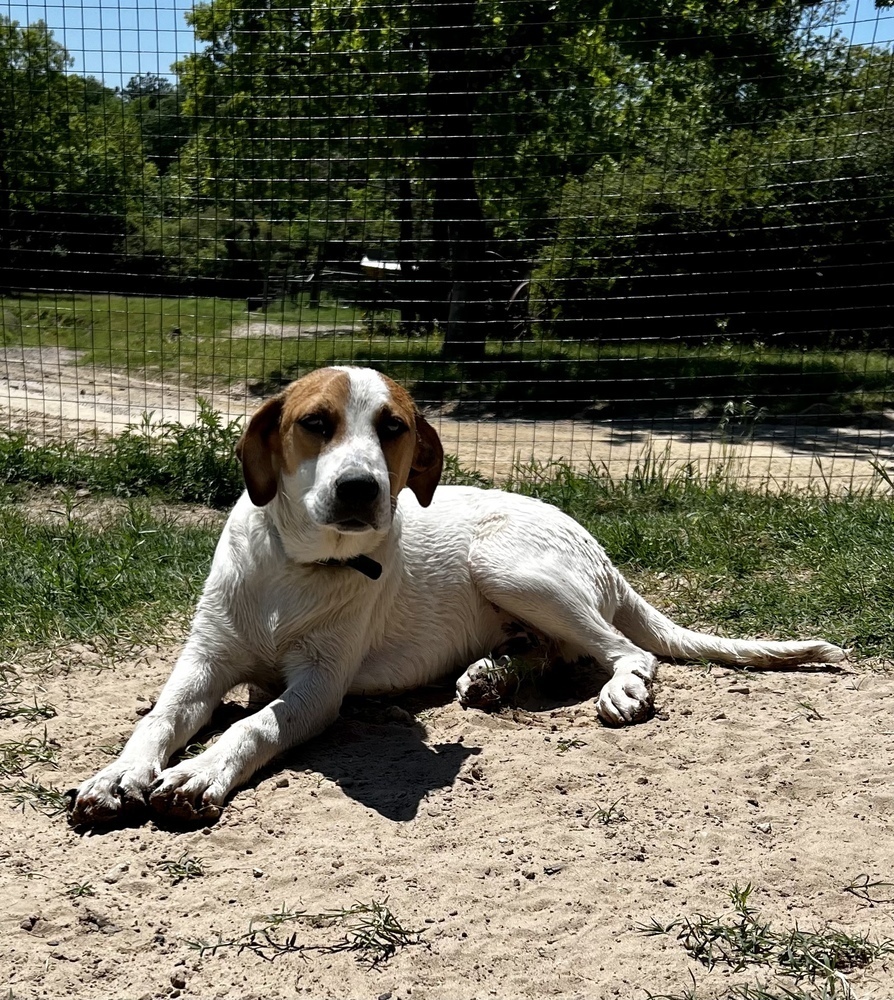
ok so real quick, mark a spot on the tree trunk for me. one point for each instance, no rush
(460, 230)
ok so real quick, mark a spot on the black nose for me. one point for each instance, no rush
(356, 491)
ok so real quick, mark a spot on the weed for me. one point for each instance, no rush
(568, 743)
(198, 747)
(370, 929)
(79, 890)
(767, 991)
(607, 814)
(11, 704)
(185, 867)
(811, 713)
(44, 798)
(871, 891)
(18, 755)
(743, 939)
(12, 709)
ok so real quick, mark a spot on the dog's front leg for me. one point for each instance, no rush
(197, 788)
(196, 685)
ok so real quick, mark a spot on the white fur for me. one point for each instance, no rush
(454, 575)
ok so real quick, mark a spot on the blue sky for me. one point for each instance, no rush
(116, 39)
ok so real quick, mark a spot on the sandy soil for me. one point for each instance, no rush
(480, 831)
(45, 391)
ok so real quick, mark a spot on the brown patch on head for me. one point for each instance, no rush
(276, 439)
(415, 459)
(313, 415)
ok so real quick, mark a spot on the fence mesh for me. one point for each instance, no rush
(577, 231)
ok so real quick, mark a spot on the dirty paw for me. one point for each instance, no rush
(625, 701)
(186, 795)
(118, 792)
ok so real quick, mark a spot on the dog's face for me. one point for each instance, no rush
(342, 443)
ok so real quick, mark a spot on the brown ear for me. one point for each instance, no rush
(259, 450)
(428, 461)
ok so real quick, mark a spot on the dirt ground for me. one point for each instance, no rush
(527, 848)
(46, 392)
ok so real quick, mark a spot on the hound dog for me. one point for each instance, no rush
(330, 578)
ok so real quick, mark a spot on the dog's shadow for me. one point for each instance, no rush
(377, 751)
(387, 766)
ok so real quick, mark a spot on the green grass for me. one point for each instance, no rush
(117, 581)
(743, 939)
(563, 377)
(190, 464)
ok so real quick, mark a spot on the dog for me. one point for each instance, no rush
(343, 570)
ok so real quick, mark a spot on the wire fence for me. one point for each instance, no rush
(592, 232)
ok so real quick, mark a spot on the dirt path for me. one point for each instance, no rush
(46, 392)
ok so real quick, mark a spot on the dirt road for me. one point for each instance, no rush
(46, 392)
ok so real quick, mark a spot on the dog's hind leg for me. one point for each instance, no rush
(556, 578)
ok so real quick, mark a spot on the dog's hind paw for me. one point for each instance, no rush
(624, 700)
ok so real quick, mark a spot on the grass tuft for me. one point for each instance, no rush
(185, 867)
(370, 930)
(743, 939)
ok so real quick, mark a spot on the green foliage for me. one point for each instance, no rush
(192, 463)
(68, 151)
(371, 932)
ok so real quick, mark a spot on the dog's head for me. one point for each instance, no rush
(341, 442)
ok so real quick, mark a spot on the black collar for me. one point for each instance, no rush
(363, 564)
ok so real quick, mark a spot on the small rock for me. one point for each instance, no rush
(763, 827)
(115, 873)
(257, 873)
(282, 783)
(28, 923)
(552, 869)
(178, 982)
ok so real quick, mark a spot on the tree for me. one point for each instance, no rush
(71, 163)
(157, 106)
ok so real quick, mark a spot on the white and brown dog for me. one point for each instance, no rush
(330, 579)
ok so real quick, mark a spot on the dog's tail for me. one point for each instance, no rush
(649, 629)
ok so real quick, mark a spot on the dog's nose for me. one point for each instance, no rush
(357, 491)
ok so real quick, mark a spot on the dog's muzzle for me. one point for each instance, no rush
(356, 501)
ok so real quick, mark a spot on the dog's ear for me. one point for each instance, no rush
(260, 450)
(428, 462)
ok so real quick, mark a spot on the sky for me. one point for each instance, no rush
(114, 40)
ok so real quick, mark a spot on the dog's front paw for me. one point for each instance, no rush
(115, 793)
(190, 791)
(624, 700)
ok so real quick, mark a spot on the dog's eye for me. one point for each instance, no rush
(316, 423)
(391, 427)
